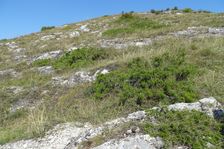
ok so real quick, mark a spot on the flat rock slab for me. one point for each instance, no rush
(134, 142)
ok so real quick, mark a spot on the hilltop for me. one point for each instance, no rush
(154, 79)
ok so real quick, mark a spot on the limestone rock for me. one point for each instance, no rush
(74, 34)
(205, 105)
(48, 55)
(140, 115)
(46, 69)
(47, 37)
(134, 142)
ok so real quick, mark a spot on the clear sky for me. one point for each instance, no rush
(19, 17)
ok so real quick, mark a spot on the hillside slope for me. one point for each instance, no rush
(95, 71)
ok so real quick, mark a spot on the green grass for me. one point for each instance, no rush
(129, 24)
(192, 129)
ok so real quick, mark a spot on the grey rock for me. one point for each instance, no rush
(120, 43)
(15, 89)
(134, 142)
(47, 37)
(22, 104)
(205, 105)
(74, 34)
(133, 130)
(9, 72)
(84, 28)
(216, 31)
(11, 45)
(139, 115)
(48, 55)
(78, 78)
(54, 139)
(46, 70)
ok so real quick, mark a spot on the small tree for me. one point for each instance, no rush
(175, 8)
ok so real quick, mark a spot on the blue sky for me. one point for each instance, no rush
(19, 17)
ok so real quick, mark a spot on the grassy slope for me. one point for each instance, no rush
(61, 104)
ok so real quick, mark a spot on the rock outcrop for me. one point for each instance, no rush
(206, 105)
(135, 142)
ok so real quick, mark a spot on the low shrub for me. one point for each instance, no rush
(187, 10)
(189, 128)
(44, 28)
(76, 59)
(175, 8)
(167, 79)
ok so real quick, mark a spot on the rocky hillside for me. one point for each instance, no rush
(135, 80)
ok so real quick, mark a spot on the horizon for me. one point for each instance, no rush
(26, 17)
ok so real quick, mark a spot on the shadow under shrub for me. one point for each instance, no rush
(167, 79)
(189, 128)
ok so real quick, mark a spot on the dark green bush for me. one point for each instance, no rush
(76, 59)
(167, 79)
(192, 129)
(175, 8)
(44, 28)
(128, 15)
(187, 10)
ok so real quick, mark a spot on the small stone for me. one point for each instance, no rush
(139, 115)
(74, 34)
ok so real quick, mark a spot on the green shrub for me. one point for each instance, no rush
(44, 28)
(187, 10)
(76, 59)
(175, 8)
(192, 129)
(167, 79)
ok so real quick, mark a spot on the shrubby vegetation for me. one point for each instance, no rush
(188, 128)
(187, 10)
(167, 79)
(44, 28)
(76, 59)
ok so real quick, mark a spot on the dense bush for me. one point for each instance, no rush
(167, 79)
(44, 28)
(76, 59)
(192, 129)
(187, 10)
(175, 8)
